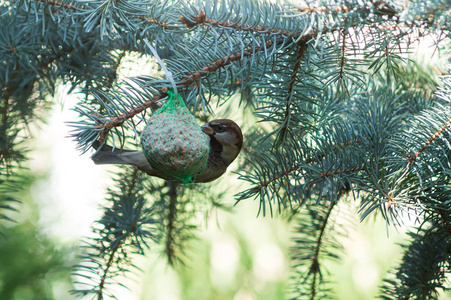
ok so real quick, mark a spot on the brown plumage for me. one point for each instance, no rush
(226, 141)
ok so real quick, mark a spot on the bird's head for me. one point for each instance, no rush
(226, 138)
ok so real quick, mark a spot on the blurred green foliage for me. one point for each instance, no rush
(31, 264)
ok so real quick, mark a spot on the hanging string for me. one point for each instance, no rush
(167, 73)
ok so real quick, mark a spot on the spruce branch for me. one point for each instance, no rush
(317, 9)
(78, 8)
(8, 92)
(188, 79)
(201, 18)
(163, 24)
(5, 107)
(262, 185)
(424, 268)
(179, 217)
(10, 185)
(114, 69)
(343, 56)
(341, 171)
(67, 5)
(379, 7)
(105, 126)
(407, 182)
(413, 158)
(106, 268)
(113, 250)
(171, 219)
(18, 107)
(315, 243)
(285, 127)
(56, 57)
(293, 169)
(385, 9)
(315, 265)
(125, 228)
(445, 220)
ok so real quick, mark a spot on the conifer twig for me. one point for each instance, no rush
(343, 52)
(445, 220)
(265, 183)
(115, 67)
(314, 268)
(310, 160)
(164, 25)
(323, 8)
(187, 80)
(56, 57)
(59, 3)
(170, 228)
(428, 142)
(340, 171)
(382, 7)
(201, 18)
(119, 120)
(293, 81)
(106, 269)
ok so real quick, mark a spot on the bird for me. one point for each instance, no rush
(225, 142)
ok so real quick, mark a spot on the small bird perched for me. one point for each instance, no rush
(225, 139)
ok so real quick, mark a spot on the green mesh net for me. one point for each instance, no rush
(174, 143)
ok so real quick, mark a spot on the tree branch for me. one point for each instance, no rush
(106, 269)
(60, 4)
(201, 18)
(343, 51)
(428, 142)
(187, 80)
(76, 8)
(171, 217)
(445, 220)
(314, 268)
(380, 5)
(311, 160)
(116, 244)
(323, 8)
(284, 129)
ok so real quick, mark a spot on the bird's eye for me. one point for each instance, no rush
(220, 128)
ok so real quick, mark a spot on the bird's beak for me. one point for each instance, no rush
(207, 129)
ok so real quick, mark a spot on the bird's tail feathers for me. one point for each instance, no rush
(102, 157)
(108, 155)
